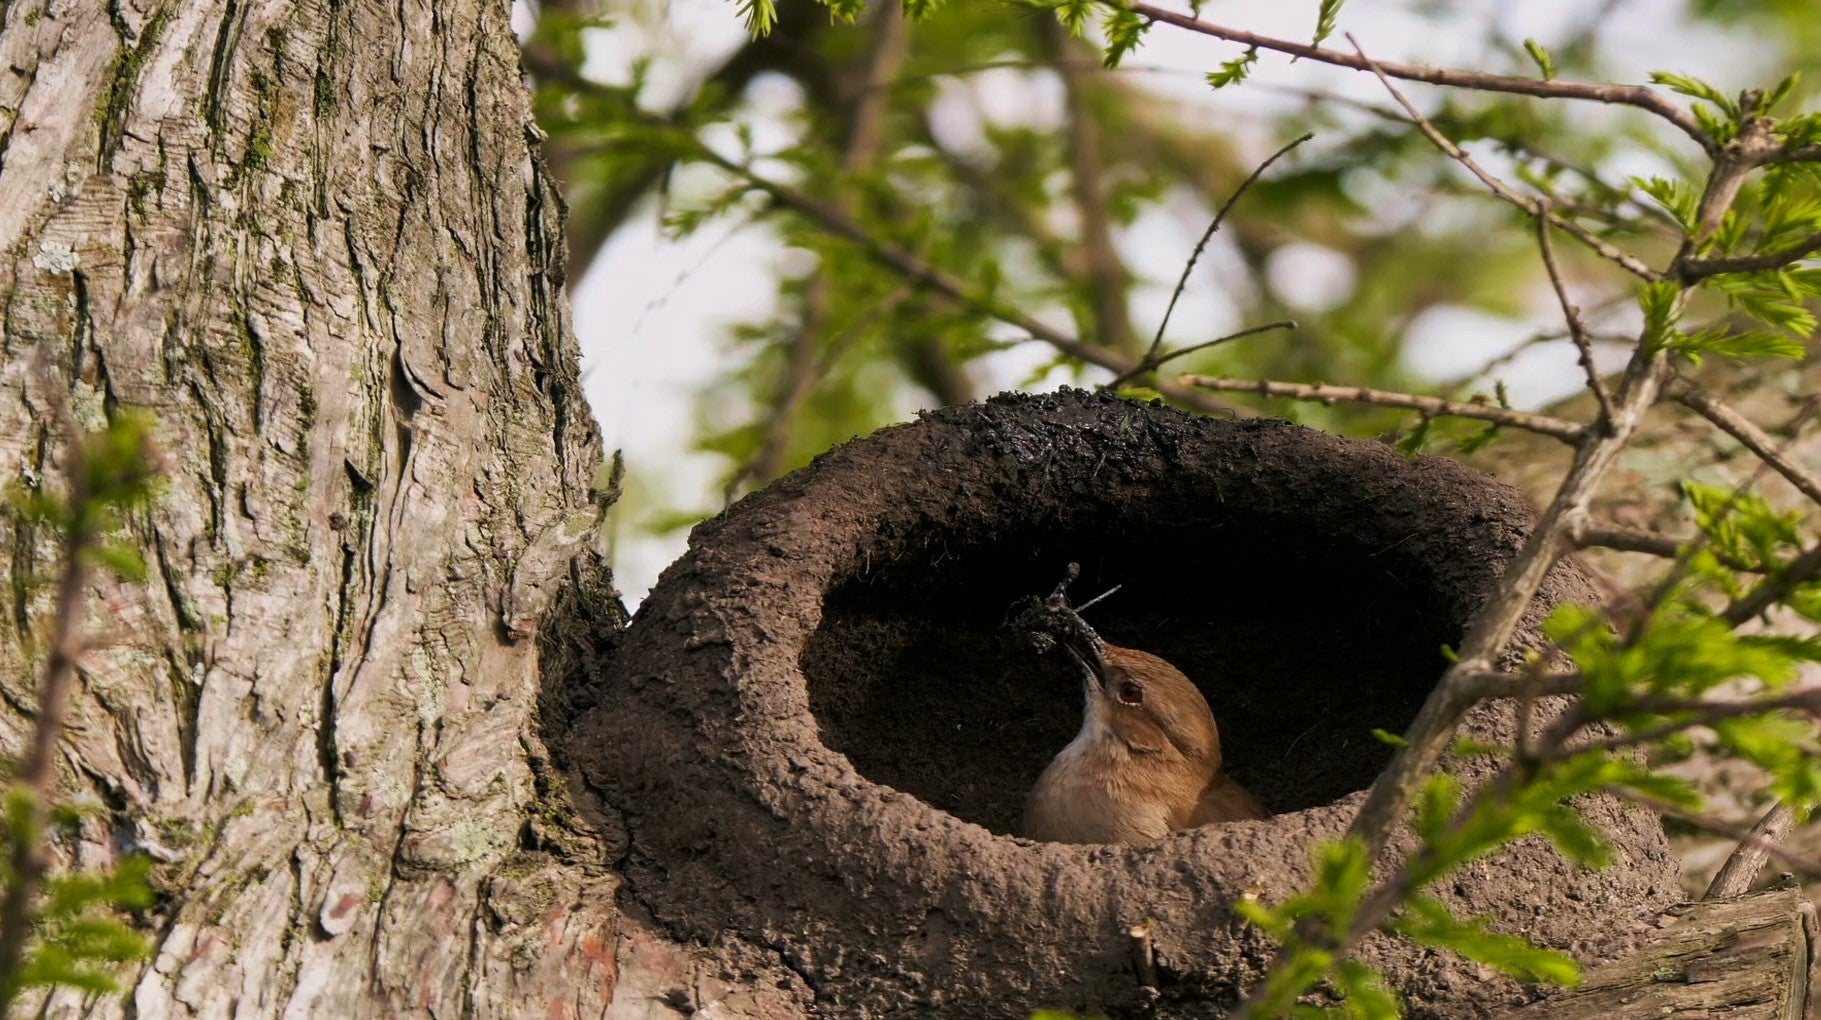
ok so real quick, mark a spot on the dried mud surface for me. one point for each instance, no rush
(818, 732)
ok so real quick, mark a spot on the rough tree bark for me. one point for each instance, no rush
(316, 239)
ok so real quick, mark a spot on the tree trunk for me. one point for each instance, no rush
(316, 240)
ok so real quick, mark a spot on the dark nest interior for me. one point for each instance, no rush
(1304, 638)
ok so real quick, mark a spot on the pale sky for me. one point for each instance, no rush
(651, 314)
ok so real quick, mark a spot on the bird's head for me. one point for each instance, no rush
(1141, 701)
(1130, 697)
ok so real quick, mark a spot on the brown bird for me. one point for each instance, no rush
(1147, 759)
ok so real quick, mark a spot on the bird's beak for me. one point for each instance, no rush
(1086, 648)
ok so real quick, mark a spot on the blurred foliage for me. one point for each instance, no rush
(894, 123)
(61, 924)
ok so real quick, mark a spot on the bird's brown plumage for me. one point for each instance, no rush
(1146, 761)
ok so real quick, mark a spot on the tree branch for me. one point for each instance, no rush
(1700, 269)
(1152, 360)
(1533, 207)
(1433, 407)
(1779, 586)
(1806, 865)
(1754, 849)
(1577, 328)
(1748, 434)
(1626, 95)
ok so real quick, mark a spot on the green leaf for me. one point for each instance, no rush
(1672, 790)
(1074, 15)
(1676, 197)
(1436, 804)
(1388, 737)
(123, 560)
(1366, 997)
(1427, 921)
(1544, 62)
(1572, 836)
(1413, 444)
(1234, 71)
(1658, 301)
(1697, 89)
(1746, 346)
(1326, 19)
(761, 16)
(1124, 31)
(1779, 92)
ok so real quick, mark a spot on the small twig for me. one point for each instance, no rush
(1577, 327)
(1151, 358)
(1533, 207)
(1748, 434)
(1483, 685)
(1779, 586)
(1700, 269)
(1154, 361)
(922, 273)
(1628, 95)
(1589, 534)
(1435, 407)
(1754, 849)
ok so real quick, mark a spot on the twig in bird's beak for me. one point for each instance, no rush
(1053, 621)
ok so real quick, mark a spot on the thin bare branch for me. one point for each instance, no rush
(1577, 327)
(1626, 95)
(1151, 358)
(1106, 272)
(1433, 407)
(1700, 269)
(1754, 849)
(1533, 207)
(1154, 360)
(1749, 435)
(1481, 685)
(1590, 534)
(1493, 626)
(925, 275)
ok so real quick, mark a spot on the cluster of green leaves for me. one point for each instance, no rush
(1776, 214)
(77, 934)
(1648, 683)
(1651, 680)
(1342, 875)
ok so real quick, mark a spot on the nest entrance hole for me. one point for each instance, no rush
(1302, 643)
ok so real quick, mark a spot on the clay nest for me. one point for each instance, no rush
(819, 732)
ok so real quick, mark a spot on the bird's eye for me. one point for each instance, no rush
(1130, 693)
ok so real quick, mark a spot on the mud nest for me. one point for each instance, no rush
(819, 731)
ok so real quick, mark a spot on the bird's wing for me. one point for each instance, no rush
(1226, 801)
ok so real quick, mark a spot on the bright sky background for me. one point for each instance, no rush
(651, 314)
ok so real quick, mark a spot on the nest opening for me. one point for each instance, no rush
(1303, 642)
